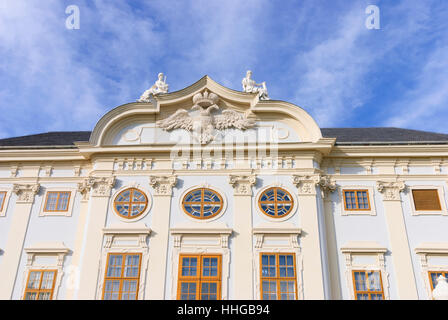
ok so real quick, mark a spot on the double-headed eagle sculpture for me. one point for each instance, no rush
(203, 125)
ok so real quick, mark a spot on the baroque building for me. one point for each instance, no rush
(212, 193)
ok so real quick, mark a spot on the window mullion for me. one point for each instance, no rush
(120, 287)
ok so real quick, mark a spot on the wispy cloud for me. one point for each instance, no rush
(315, 54)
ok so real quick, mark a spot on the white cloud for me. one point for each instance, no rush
(425, 106)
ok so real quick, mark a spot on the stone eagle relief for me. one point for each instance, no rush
(203, 125)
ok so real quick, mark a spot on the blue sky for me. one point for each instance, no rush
(316, 54)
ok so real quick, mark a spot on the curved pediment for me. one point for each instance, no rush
(204, 112)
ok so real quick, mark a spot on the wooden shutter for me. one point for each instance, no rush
(426, 199)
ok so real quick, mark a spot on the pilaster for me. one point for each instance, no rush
(84, 189)
(92, 246)
(243, 286)
(313, 270)
(327, 187)
(401, 253)
(16, 237)
(160, 224)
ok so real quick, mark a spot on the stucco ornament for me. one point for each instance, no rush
(160, 86)
(242, 184)
(202, 126)
(26, 192)
(163, 185)
(441, 289)
(391, 190)
(249, 85)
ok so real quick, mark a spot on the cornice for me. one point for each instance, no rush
(432, 248)
(44, 154)
(363, 247)
(396, 151)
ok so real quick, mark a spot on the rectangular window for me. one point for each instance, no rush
(433, 275)
(278, 276)
(2, 199)
(40, 285)
(368, 285)
(426, 200)
(356, 200)
(121, 281)
(57, 201)
(199, 277)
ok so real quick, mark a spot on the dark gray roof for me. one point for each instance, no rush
(382, 136)
(346, 136)
(60, 138)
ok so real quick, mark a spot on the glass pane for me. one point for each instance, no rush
(188, 291)
(2, 199)
(44, 296)
(189, 267)
(34, 280)
(374, 281)
(52, 198)
(47, 280)
(124, 196)
(63, 201)
(360, 281)
(138, 196)
(111, 289)
(129, 290)
(114, 268)
(362, 296)
(132, 266)
(31, 296)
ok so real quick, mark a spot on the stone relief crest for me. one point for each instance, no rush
(202, 126)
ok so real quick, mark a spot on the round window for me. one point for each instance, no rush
(130, 203)
(275, 202)
(202, 203)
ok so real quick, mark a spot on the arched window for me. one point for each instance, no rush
(202, 203)
(275, 202)
(130, 203)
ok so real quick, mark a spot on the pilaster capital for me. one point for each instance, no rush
(390, 190)
(306, 184)
(85, 186)
(101, 186)
(25, 192)
(327, 185)
(242, 184)
(163, 185)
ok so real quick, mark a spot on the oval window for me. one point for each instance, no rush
(275, 202)
(130, 203)
(202, 203)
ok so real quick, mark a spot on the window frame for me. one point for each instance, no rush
(277, 279)
(61, 213)
(440, 195)
(445, 273)
(199, 279)
(276, 216)
(39, 290)
(368, 292)
(370, 198)
(214, 189)
(4, 204)
(123, 239)
(121, 279)
(142, 213)
(263, 214)
(356, 198)
(47, 194)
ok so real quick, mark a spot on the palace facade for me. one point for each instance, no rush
(212, 193)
